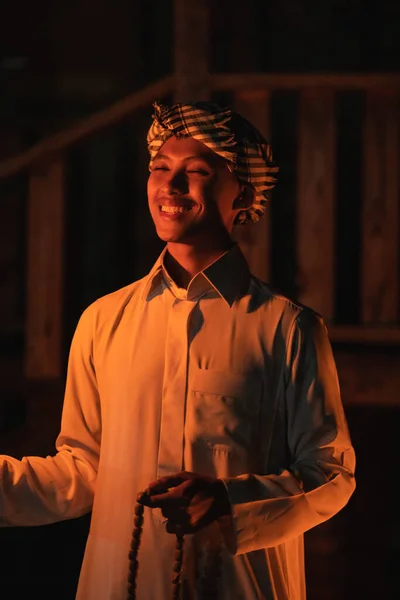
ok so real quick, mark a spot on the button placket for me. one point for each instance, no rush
(170, 456)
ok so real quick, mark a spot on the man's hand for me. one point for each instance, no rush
(188, 501)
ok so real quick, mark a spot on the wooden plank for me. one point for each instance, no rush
(365, 334)
(315, 201)
(191, 40)
(96, 122)
(369, 379)
(380, 218)
(254, 238)
(220, 82)
(43, 358)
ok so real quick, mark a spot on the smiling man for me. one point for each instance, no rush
(198, 391)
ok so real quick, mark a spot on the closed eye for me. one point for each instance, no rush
(200, 171)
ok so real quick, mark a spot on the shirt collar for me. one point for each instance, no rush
(228, 276)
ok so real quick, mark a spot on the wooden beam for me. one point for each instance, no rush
(191, 50)
(380, 218)
(43, 357)
(220, 82)
(217, 82)
(315, 201)
(254, 238)
(96, 122)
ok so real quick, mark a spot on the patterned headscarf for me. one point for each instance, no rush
(229, 135)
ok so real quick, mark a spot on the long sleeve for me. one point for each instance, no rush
(318, 479)
(38, 490)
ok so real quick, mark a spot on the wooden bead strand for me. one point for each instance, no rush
(134, 560)
(134, 550)
(177, 576)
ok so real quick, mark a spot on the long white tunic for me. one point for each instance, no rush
(225, 378)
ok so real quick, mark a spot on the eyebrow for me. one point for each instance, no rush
(162, 156)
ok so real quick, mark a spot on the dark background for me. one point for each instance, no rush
(61, 61)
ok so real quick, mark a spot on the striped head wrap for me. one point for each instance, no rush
(229, 135)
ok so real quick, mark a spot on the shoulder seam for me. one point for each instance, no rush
(278, 296)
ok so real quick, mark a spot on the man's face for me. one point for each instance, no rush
(191, 192)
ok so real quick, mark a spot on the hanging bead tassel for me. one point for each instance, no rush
(134, 561)
(134, 550)
(177, 576)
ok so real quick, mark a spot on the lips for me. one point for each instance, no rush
(174, 201)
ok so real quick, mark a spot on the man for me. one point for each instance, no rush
(198, 390)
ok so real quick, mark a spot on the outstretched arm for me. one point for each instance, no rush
(38, 490)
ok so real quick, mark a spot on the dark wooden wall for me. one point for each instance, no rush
(62, 63)
(74, 58)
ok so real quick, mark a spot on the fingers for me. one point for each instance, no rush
(175, 496)
(177, 521)
(189, 502)
(176, 528)
(165, 483)
(178, 515)
(182, 524)
(175, 489)
(161, 486)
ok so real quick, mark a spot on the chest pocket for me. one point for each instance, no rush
(223, 409)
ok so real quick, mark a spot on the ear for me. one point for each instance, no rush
(245, 198)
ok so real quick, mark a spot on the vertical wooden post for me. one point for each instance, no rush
(191, 50)
(315, 201)
(254, 238)
(380, 219)
(43, 357)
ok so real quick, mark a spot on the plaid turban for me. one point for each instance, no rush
(229, 135)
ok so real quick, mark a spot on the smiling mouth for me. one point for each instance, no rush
(174, 210)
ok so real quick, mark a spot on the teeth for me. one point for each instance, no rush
(174, 209)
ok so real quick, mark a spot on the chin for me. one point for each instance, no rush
(169, 237)
(167, 234)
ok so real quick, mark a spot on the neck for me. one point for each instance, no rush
(183, 261)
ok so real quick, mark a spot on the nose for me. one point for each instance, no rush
(175, 182)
